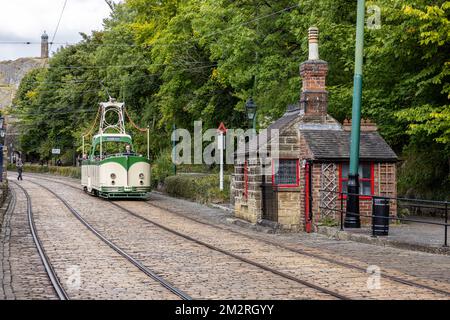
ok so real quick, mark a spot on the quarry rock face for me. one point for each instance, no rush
(11, 73)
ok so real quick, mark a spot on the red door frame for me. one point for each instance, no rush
(308, 202)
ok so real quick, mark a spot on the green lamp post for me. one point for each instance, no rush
(352, 218)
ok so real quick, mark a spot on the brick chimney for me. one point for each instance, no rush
(314, 97)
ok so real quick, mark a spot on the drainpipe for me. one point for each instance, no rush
(352, 219)
(308, 196)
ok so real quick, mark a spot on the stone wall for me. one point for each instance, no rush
(249, 207)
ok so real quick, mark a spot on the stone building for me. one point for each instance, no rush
(304, 182)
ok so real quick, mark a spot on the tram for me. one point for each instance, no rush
(112, 169)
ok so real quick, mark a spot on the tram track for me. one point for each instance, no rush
(243, 259)
(135, 262)
(304, 253)
(51, 273)
(284, 275)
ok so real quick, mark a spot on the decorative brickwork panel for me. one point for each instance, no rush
(329, 187)
(385, 184)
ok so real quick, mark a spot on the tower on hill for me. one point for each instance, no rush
(44, 46)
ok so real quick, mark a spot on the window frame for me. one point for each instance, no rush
(371, 180)
(297, 167)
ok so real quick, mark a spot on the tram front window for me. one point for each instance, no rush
(113, 148)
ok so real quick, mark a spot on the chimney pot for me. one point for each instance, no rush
(313, 39)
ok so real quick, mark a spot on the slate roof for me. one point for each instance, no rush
(265, 135)
(334, 144)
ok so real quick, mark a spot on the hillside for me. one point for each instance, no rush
(11, 73)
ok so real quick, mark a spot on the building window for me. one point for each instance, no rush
(366, 181)
(285, 173)
(246, 180)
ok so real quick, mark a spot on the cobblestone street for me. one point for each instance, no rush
(194, 249)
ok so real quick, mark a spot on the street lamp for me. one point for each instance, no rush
(250, 108)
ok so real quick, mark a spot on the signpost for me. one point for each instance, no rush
(221, 146)
(55, 151)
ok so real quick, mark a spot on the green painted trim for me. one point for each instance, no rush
(122, 195)
(135, 159)
(112, 139)
(124, 161)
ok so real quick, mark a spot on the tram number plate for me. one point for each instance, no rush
(128, 189)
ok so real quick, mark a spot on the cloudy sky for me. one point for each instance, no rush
(25, 20)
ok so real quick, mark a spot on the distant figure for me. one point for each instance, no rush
(128, 150)
(19, 165)
(59, 163)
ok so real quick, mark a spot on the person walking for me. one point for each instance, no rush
(19, 165)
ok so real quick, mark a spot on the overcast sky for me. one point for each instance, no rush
(25, 20)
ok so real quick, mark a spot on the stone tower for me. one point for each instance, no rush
(314, 97)
(44, 46)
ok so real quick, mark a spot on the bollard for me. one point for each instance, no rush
(380, 216)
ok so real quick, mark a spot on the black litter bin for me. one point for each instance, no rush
(380, 216)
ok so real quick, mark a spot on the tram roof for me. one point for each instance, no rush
(119, 137)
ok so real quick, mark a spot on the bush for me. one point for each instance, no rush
(161, 168)
(201, 188)
(73, 172)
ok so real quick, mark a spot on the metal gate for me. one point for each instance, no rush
(269, 202)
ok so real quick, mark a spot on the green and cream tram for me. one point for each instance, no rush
(112, 169)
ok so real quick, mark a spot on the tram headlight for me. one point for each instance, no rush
(113, 176)
(141, 176)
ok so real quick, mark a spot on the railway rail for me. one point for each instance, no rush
(59, 289)
(284, 275)
(62, 294)
(302, 252)
(243, 259)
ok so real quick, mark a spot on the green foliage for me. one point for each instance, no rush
(174, 62)
(198, 187)
(162, 167)
(71, 172)
(425, 173)
(328, 222)
(431, 117)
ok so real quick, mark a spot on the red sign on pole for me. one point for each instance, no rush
(222, 128)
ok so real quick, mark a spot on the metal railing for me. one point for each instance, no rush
(432, 204)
